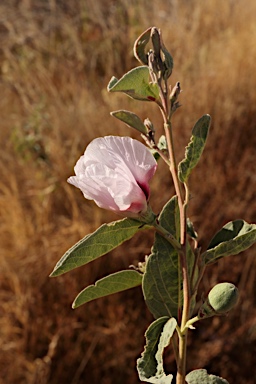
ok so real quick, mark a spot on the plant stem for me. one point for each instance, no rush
(180, 378)
(173, 166)
(182, 254)
(191, 322)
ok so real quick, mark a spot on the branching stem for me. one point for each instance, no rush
(182, 202)
(182, 248)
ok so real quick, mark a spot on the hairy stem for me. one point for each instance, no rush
(180, 378)
(182, 254)
(191, 322)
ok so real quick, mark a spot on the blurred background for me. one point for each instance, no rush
(56, 58)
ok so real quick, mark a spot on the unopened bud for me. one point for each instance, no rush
(168, 62)
(153, 67)
(163, 59)
(158, 59)
(221, 299)
(175, 93)
(149, 125)
(156, 42)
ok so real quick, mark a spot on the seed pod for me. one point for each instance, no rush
(221, 299)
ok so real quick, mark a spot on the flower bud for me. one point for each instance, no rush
(162, 62)
(221, 299)
(149, 125)
(156, 42)
(168, 62)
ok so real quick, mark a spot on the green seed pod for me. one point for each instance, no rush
(221, 299)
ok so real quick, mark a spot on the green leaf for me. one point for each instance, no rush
(112, 82)
(162, 145)
(130, 119)
(162, 280)
(135, 84)
(116, 282)
(235, 237)
(140, 45)
(195, 147)
(201, 376)
(97, 244)
(150, 365)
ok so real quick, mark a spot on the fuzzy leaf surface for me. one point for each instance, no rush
(135, 84)
(201, 376)
(150, 365)
(162, 280)
(162, 145)
(130, 119)
(94, 245)
(235, 237)
(114, 283)
(195, 147)
(140, 46)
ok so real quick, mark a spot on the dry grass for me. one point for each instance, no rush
(56, 59)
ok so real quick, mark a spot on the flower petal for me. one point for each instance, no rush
(114, 172)
(113, 150)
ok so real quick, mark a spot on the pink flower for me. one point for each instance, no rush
(115, 172)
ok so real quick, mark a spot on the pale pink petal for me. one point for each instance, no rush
(91, 183)
(113, 150)
(114, 172)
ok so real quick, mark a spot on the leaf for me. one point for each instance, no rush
(116, 282)
(97, 244)
(140, 45)
(201, 376)
(195, 147)
(112, 82)
(130, 119)
(162, 145)
(135, 84)
(162, 280)
(235, 237)
(150, 365)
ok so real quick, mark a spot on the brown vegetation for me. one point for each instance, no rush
(56, 58)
